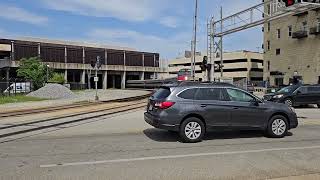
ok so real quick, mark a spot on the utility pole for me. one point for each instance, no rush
(221, 44)
(194, 43)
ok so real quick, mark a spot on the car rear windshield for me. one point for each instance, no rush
(162, 93)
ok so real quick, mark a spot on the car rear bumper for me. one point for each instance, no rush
(158, 123)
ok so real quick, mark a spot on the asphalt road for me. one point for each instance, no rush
(124, 147)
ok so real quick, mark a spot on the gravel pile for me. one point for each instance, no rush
(53, 91)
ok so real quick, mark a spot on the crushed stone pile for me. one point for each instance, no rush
(53, 91)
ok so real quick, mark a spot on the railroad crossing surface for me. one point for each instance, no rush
(123, 146)
(80, 96)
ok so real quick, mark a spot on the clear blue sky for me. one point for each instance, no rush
(163, 26)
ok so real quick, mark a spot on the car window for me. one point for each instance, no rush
(216, 94)
(288, 89)
(314, 89)
(302, 90)
(240, 96)
(188, 94)
(162, 93)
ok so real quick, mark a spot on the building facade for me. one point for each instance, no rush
(292, 48)
(237, 65)
(74, 60)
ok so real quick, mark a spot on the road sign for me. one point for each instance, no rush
(96, 79)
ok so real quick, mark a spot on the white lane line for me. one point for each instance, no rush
(174, 157)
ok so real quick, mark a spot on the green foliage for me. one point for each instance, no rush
(17, 99)
(32, 69)
(57, 78)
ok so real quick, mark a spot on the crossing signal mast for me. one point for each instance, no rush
(248, 18)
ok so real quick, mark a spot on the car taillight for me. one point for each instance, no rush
(164, 105)
(183, 78)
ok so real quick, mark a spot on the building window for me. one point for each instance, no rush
(269, 26)
(290, 30)
(279, 33)
(268, 65)
(305, 26)
(279, 81)
(278, 51)
(268, 45)
(318, 26)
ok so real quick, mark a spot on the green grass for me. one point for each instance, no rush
(17, 99)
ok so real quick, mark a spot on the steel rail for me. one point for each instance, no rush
(114, 110)
(64, 107)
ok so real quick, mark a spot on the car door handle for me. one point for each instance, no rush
(203, 105)
(235, 108)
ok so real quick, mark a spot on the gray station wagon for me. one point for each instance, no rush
(194, 108)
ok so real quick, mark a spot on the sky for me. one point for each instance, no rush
(163, 26)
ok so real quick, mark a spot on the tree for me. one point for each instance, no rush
(57, 78)
(32, 69)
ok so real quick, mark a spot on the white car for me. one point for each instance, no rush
(17, 88)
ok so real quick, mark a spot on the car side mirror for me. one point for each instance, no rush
(255, 102)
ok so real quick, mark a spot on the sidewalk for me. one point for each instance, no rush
(303, 177)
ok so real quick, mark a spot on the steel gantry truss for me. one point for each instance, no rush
(248, 18)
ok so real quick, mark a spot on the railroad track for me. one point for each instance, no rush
(27, 129)
(64, 107)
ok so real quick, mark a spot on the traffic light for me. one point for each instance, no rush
(289, 2)
(218, 67)
(93, 64)
(99, 63)
(293, 2)
(204, 63)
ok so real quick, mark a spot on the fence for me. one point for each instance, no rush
(77, 86)
(15, 86)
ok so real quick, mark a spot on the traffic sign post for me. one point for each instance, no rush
(96, 65)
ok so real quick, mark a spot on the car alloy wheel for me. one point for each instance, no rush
(278, 126)
(192, 130)
(288, 102)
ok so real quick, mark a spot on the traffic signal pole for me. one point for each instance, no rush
(240, 21)
(221, 44)
(194, 43)
(96, 84)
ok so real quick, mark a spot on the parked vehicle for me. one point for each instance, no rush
(184, 75)
(18, 88)
(296, 95)
(193, 108)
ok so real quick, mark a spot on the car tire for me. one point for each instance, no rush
(192, 130)
(278, 126)
(288, 102)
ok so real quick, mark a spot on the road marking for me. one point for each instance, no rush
(174, 157)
